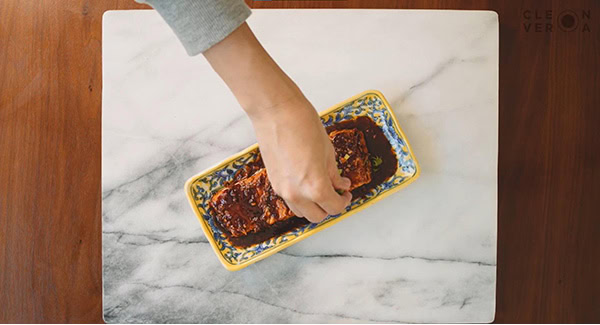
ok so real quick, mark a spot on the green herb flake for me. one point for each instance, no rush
(376, 161)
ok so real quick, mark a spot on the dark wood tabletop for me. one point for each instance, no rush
(548, 173)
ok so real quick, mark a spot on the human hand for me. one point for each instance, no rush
(300, 159)
(296, 150)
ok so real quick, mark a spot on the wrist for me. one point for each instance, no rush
(265, 105)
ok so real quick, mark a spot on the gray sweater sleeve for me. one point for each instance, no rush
(200, 24)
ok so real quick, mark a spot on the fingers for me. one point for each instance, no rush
(316, 202)
(341, 183)
(294, 209)
(347, 196)
(302, 206)
(312, 211)
(329, 200)
(319, 205)
(318, 199)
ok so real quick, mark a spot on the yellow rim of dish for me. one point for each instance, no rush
(275, 249)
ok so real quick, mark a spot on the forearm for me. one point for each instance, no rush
(253, 77)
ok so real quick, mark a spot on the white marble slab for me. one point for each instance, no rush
(425, 254)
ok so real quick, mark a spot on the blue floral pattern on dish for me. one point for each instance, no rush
(369, 104)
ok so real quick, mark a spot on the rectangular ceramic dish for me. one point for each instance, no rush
(200, 188)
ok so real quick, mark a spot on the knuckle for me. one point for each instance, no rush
(318, 195)
(319, 191)
(289, 194)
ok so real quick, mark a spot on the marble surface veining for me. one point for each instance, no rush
(424, 254)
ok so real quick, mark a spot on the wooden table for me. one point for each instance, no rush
(549, 161)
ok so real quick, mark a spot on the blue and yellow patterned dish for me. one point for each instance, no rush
(200, 188)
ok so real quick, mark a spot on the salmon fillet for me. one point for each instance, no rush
(249, 205)
(352, 156)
